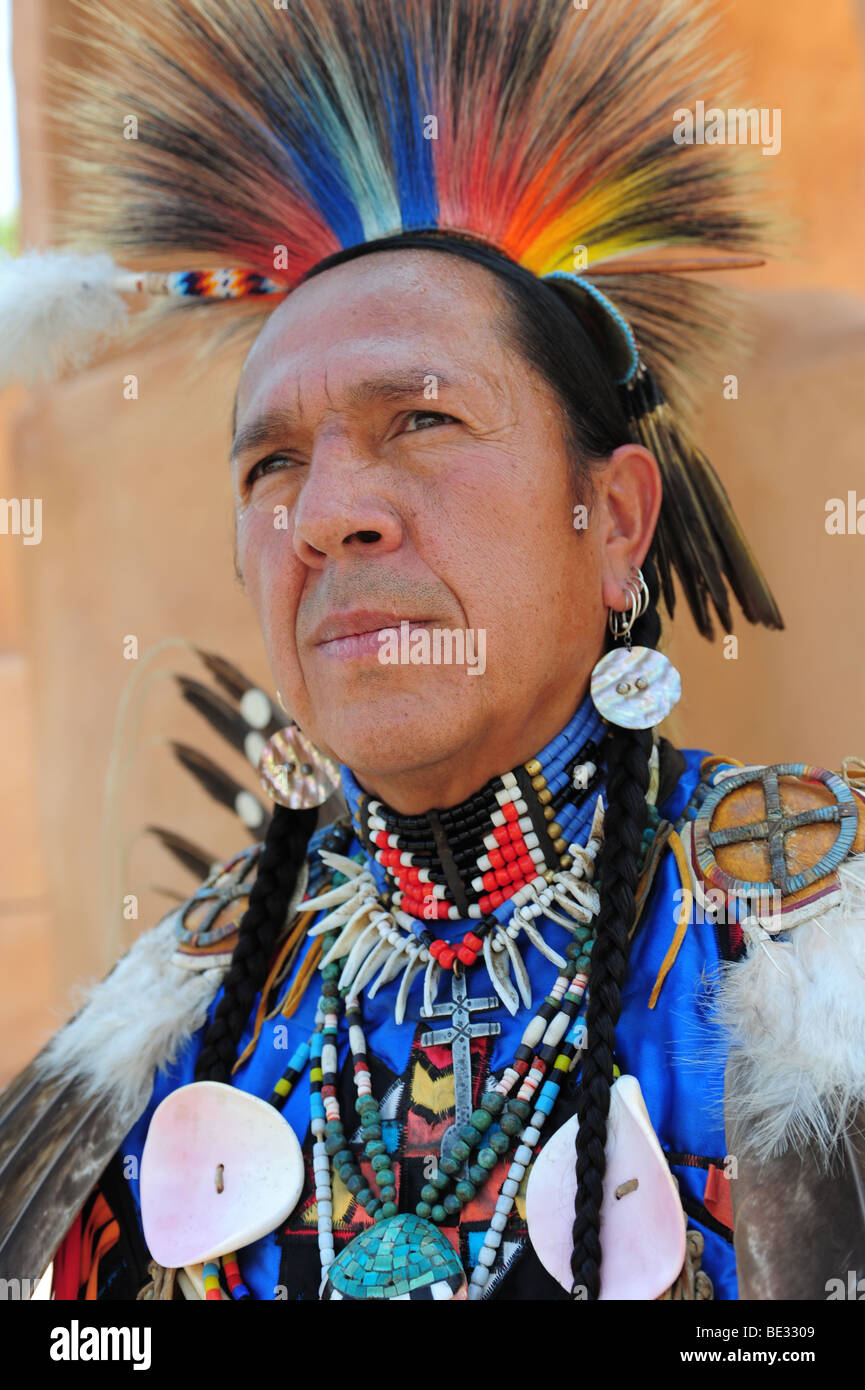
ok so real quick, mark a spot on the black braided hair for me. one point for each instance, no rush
(279, 865)
(627, 761)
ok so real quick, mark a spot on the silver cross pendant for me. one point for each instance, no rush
(459, 1035)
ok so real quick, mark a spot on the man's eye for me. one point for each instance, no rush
(266, 466)
(435, 417)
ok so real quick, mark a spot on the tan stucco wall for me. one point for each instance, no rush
(137, 531)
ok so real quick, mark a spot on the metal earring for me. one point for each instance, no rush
(634, 687)
(294, 772)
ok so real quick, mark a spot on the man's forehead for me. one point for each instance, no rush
(406, 307)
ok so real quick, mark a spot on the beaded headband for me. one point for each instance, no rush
(270, 137)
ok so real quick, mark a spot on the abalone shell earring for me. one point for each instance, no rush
(294, 772)
(634, 687)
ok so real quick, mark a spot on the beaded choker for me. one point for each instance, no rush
(531, 819)
(466, 860)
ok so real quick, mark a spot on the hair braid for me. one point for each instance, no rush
(628, 752)
(278, 867)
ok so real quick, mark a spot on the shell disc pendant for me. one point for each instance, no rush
(642, 1221)
(220, 1169)
(635, 687)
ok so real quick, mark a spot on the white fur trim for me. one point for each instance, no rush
(143, 1014)
(56, 309)
(796, 1009)
(137, 1019)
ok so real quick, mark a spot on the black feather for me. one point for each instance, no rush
(218, 783)
(228, 722)
(191, 856)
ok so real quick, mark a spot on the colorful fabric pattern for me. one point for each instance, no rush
(103, 1256)
(674, 1049)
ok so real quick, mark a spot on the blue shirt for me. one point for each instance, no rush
(674, 1050)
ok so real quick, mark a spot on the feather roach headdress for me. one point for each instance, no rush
(266, 137)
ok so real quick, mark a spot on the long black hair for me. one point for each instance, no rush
(543, 327)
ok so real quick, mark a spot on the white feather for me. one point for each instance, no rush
(56, 311)
(796, 1011)
(139, 1018)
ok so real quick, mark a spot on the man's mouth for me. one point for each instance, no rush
(357, 634)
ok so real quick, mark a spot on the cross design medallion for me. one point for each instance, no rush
(773, 828)
(459, 1034)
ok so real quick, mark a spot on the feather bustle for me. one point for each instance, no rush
(795, 1014)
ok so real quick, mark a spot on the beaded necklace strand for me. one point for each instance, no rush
(500, 1122)
(550, 1048)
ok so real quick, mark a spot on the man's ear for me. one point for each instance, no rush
(627, 505)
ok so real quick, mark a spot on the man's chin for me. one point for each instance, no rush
(389, 739)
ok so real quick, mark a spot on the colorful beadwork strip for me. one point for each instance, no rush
(523, 822)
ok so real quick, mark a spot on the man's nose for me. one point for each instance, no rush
(342, 504)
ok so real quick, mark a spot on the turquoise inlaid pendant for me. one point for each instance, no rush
(403, 1258)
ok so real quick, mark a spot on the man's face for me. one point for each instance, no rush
(396, 457)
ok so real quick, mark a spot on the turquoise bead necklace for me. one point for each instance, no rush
(510, 1116)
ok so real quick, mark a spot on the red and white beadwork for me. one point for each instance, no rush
(513, 858)
(378, 943)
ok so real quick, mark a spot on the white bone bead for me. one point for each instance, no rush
(533, 1034)
(557, 1029)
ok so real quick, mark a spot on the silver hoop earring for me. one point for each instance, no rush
(620, 623)
(634, 687)
(645, 596)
